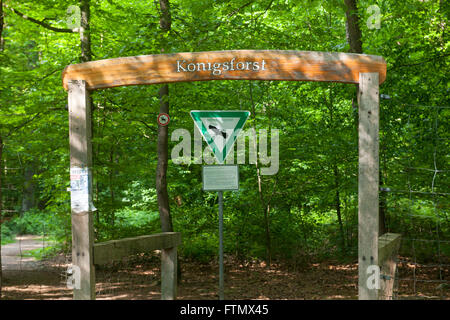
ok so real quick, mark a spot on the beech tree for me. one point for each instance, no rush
(163, 131)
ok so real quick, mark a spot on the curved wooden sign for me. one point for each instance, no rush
(226, 65)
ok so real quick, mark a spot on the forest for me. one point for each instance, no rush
(298, 222)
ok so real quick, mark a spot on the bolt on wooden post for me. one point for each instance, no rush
(81, 159)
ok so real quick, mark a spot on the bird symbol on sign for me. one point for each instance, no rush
(218, 131)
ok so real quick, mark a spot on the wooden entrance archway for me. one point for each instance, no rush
(366, 70)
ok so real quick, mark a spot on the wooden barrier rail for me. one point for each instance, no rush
(114, 250)
(388, 246)
(167, 242)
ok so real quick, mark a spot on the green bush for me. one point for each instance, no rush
(128, 223)
(37, 222)
(201, 247)
(7, 234)
(44, 252)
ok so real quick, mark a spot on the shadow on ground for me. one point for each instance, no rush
(139, 278)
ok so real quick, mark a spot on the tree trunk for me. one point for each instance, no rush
(354, 37)
(86, 53)
(383, 207)
(266, 211)
(85, 32)
(1, 211)
(332, 126)
(382, 229)
(161, 168)
(265, 207)
(1, 156)
(352, 27)
(95, 156)
(111, 185)
(303, 212)
(165, 22)
(353, 33)
(163, 136)
(28, 197)
(1, 26)
(338, 203)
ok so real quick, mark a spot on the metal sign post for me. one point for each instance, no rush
(221, 282)
(220, 178)
(220, 130)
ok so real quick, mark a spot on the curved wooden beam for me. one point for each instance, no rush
(225, 65)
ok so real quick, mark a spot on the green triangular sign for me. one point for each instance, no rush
(220, 129)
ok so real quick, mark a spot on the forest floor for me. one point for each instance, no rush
(139, 278)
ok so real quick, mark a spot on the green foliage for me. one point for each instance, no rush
(38, 222)
(317, 122)
(200, 246)
(45, 252)
(128, 223)
(422, 223)
(7, 234)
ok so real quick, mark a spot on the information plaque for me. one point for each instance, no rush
(220, 177)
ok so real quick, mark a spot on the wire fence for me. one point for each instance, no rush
(419, 209)
(30, 271)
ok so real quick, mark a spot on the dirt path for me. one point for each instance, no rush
(14, 257)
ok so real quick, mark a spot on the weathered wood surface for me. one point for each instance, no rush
(253, 64)
(79, 125)
(81, 157)
(388, 246)
(368, 182)
(169, 273)
(115, 250)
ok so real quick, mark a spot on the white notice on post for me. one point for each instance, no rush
(220, 178)
(80, 180)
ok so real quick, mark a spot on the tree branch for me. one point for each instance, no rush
(29, 120)
(231, 14)
(239, 9)
(23, 124)
(42, 23)
(420, 62)
(267, 8)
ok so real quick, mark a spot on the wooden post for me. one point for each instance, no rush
(388, 246)
(169, 274)
(368, 186)
(81, 189)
